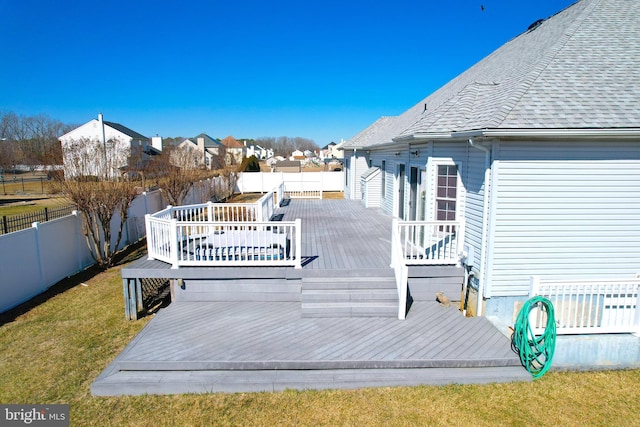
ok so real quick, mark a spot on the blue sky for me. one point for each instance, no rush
(323, 70)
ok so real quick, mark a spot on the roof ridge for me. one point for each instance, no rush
(547, 59)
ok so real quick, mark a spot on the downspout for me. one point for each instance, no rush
(485, 213)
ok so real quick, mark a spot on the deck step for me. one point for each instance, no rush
(350, 309)
(350, 296)
(236, 381)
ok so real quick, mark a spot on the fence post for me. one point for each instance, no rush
(534, 286)
(5, 225)
(35, 226)
(78, 229)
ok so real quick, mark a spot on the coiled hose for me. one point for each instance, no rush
(536, 353)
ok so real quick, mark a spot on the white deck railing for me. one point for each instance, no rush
(422, 243)
(399, 265)
(303, 189)
(430, 242)
(589, 306)
(224, 234)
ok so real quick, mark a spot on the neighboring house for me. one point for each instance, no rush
(235, 151)
(260, 152)
(332, 151)
(102, 148)
(288, 166)
(297, 155)
(207, 150)
(536, 151)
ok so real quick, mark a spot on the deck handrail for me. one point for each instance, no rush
(256, 240)
(400, 268)
(431, 242)
(302, 190)
(236, 243)
(422, 243)
(593, 306)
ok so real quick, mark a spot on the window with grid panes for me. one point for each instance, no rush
(446, 192)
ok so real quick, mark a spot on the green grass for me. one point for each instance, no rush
(52, 351)
(34, 205)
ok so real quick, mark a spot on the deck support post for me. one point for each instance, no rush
(130, 298)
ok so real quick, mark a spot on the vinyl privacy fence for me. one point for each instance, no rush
(34, 259)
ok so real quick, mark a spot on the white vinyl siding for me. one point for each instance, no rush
(357, 165)
(564, 210)
(371, 182)
(391, 161)
(474, 188)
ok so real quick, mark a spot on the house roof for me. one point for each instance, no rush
(231, 142)
(208, 141)
(574, 70)
(132, 133)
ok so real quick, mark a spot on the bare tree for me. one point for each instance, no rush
(227, 184)
(284, 145)
(35, 137)
(7, 155)
(176, 169)
(99, 200)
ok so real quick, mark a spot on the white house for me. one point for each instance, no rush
(101, 148)
(260, 152)
(235, 151)
(535, 152)
(332, 151)
(206, 150)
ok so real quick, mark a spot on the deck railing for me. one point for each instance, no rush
(422, 243)
(303, 189)
(589, 306)
(224, 234)
(399, 265)
(430, 242)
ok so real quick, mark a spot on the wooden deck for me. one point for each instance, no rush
(199, 347)
(226, 343)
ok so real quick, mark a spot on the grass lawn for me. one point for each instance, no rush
(50, 352)
(30, 204)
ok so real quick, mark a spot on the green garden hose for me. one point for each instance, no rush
(535, 353)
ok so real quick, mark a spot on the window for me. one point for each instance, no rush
(446, 192)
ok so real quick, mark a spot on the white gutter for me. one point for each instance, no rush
(485, 219)
(528, 133)
(553, 133)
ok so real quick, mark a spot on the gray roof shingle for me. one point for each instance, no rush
(132, 133)
(577, 69)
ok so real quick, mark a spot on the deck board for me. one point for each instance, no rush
(199, 346)
(212, 335)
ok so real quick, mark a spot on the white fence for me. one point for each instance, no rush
(589, 306)
(314, 183)
(35, 259)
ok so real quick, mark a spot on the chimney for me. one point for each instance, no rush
(156, 142)
(103, 139)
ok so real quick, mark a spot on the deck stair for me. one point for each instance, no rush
(350, 293)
